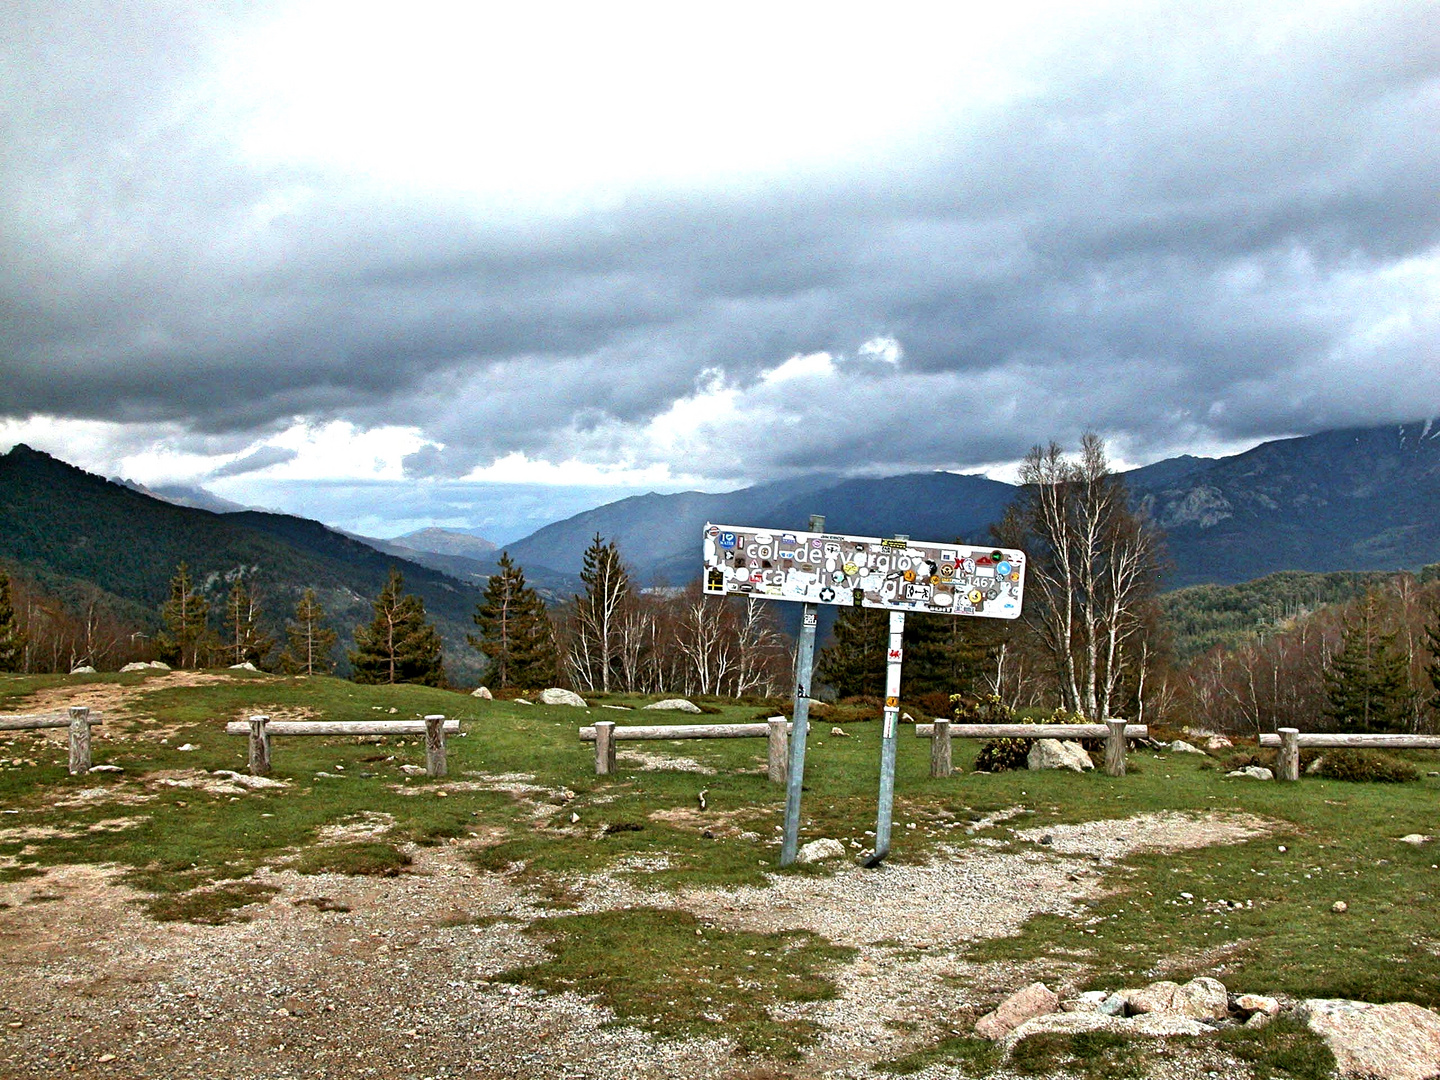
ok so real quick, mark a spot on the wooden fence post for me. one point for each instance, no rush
(779, 747)
(1288, 765)
(1115, 748)
(604, 747)
(435, 745)
(259, 746)
(79, 740)
(940, 749)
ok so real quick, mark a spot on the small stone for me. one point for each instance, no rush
(557, 696)
(840, 732)
(574, 817)
(246, 666)
(1258, 1020)
(1339, 907)
(1179, 746)
(819, 850)
(1415, 838)
(1257, 1003)
(1253, 772)
(1037, 999)
(1114, 1005)
(105, 1059)
(106, 768)
(442, 794)
(522, 701)
(187, 747)
(482, 693)
(412, 770)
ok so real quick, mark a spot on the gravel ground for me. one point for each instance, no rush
(398, 985)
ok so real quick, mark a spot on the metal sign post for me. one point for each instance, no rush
(896, 575)
(888, 738)
(804, 672)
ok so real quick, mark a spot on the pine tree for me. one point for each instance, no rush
(186, 637)
(854, 661)
(943, 653)
(1367, 685)
(1432, 669)
(244, 641)
(310, 641)
(12, 639)
(515, 632)
(398, 646)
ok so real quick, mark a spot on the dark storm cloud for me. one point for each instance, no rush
(1188, 227)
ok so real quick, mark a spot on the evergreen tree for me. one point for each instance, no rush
(1367, 685)
(515, 632)
(1432, 669)
(186, 637)
(398, 646)
(854, 661)
(310, 641)
(244, 640)
(12, 639)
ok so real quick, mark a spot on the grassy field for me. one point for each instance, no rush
(1256, 914)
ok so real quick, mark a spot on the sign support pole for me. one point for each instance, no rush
(888, 738)
(804, 665)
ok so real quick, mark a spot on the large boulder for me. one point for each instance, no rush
(819, 850)
(557, 696)
(1054, 754)
(246, 666)
(483, 693)
(135, 665)
(1218, 742)
(159, 665)
(1199, 999)
(1037, 999)
(1180, 746)
(1399, 1041)
(1158, 997)
(675, 704)
(1152, 1025)
(83, 669)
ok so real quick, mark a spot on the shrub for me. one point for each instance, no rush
(1244, 759)
(998, 755)
(1366, 765)
(935, 703)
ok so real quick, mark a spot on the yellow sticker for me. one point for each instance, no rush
(850, 568)
(909, 575)
(892, 702)
(976, 596)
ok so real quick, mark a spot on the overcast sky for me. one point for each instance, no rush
(472, 264)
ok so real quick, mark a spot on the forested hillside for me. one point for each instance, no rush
(85, 538)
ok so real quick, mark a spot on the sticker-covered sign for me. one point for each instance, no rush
(864, 571)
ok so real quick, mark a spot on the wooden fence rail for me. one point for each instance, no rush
(260, 728)
(1290, 740)
(1114, 732)
(79, 719)
(605, 733)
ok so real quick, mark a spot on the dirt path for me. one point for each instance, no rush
(391, 978)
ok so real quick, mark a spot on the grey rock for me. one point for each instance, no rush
(246, 666)
(675, 705)
(1415, 838)
(1257, 1003)
(483, 693)
(1180, 746)
(134, 666)
(83, 669)
(1253, 772)
(1154, 1025)
(1218, 742)
(1398, 1041)
(819, 850)
(1090, 1001)
(1202, 998)
(1315, 766)
(1054, 754)
(159, 665)
(556, 696)
(106, 768)
(1114, 1005)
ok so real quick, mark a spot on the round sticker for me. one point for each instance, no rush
(909, 575)
(947, 570)
(976, 596)
(1003, 569)
(837, 576)
(827, 594)
(850, 568)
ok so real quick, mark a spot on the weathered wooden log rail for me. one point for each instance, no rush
(605, 733)
(260, 728)
(1290, 740)
(79, 719)
(1114, 732)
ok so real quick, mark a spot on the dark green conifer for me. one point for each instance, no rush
(398, 646)
(310, 642)
(1432, 669)
(185, 641)
(1367, 685)
(515, 631)
(12, 639)
(943, 653)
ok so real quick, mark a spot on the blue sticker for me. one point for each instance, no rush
(1003, 569)
(727, 539)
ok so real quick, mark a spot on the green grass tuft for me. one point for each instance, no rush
(361, 858)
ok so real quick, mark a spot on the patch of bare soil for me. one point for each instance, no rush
(389, 978)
